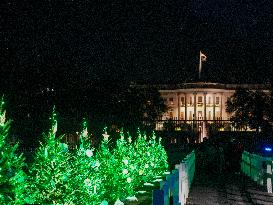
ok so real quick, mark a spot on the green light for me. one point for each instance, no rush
(85, 175)
(50, 175)
(12, 177)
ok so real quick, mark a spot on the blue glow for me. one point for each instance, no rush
(268, 149)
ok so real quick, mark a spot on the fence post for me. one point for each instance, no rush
(166, 190)
(269, 177)
(170, 180)
(185, 182)
(158, 197)
(179, 167)
(254, 166)
(175, 174)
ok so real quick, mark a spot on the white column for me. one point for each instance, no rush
(213, 106)
(194, 104)
(178, 106)
(186, 107)
(221, 108)
(205, 106)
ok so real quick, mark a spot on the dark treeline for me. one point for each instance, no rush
(106, 102)
(251, 109)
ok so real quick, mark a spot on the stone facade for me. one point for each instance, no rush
(200, 103)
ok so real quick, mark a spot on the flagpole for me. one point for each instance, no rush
(200, 65)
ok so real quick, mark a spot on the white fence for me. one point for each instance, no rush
(177, 184)
(258, 168)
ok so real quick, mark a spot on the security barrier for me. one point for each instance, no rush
(258, 168)
(177, 184)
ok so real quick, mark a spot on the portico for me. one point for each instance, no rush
(200, 102)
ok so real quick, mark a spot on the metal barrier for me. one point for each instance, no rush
(258, 168)
(177, 184)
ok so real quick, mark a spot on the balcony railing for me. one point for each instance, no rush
(221, 125)
(197, 104)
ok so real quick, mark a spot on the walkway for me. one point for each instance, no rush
(234, 189)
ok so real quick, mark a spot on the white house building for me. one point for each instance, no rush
(202, 102)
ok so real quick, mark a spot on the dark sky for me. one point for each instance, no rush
(64, 43)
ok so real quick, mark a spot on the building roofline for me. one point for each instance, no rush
(208, 85)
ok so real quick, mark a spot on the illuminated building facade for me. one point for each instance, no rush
(199, 102)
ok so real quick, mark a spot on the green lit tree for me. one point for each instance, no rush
(105, 162)
(158, 156)
(134, 162)
(150, 158)
(85, 183)
(12, 177)
(143, 159)
(125, 168)
(51, 171)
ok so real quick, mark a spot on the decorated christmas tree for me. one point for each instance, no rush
(107, 169)
(143, 159)
(124, 180)
(12, 177)
(150, 158)
(51, 171)
(158, 156)
(85, 182)
(135, 161)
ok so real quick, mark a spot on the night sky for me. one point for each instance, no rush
(69, 43)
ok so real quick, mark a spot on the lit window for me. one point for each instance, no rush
(190, 116)
(217, 100)
(190, 100)
(200, 99)
(182, 101)
(199, 115)
(217, 115)
(171, 100)
(182, 115)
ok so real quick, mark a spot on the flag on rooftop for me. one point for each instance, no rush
(202, 58)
